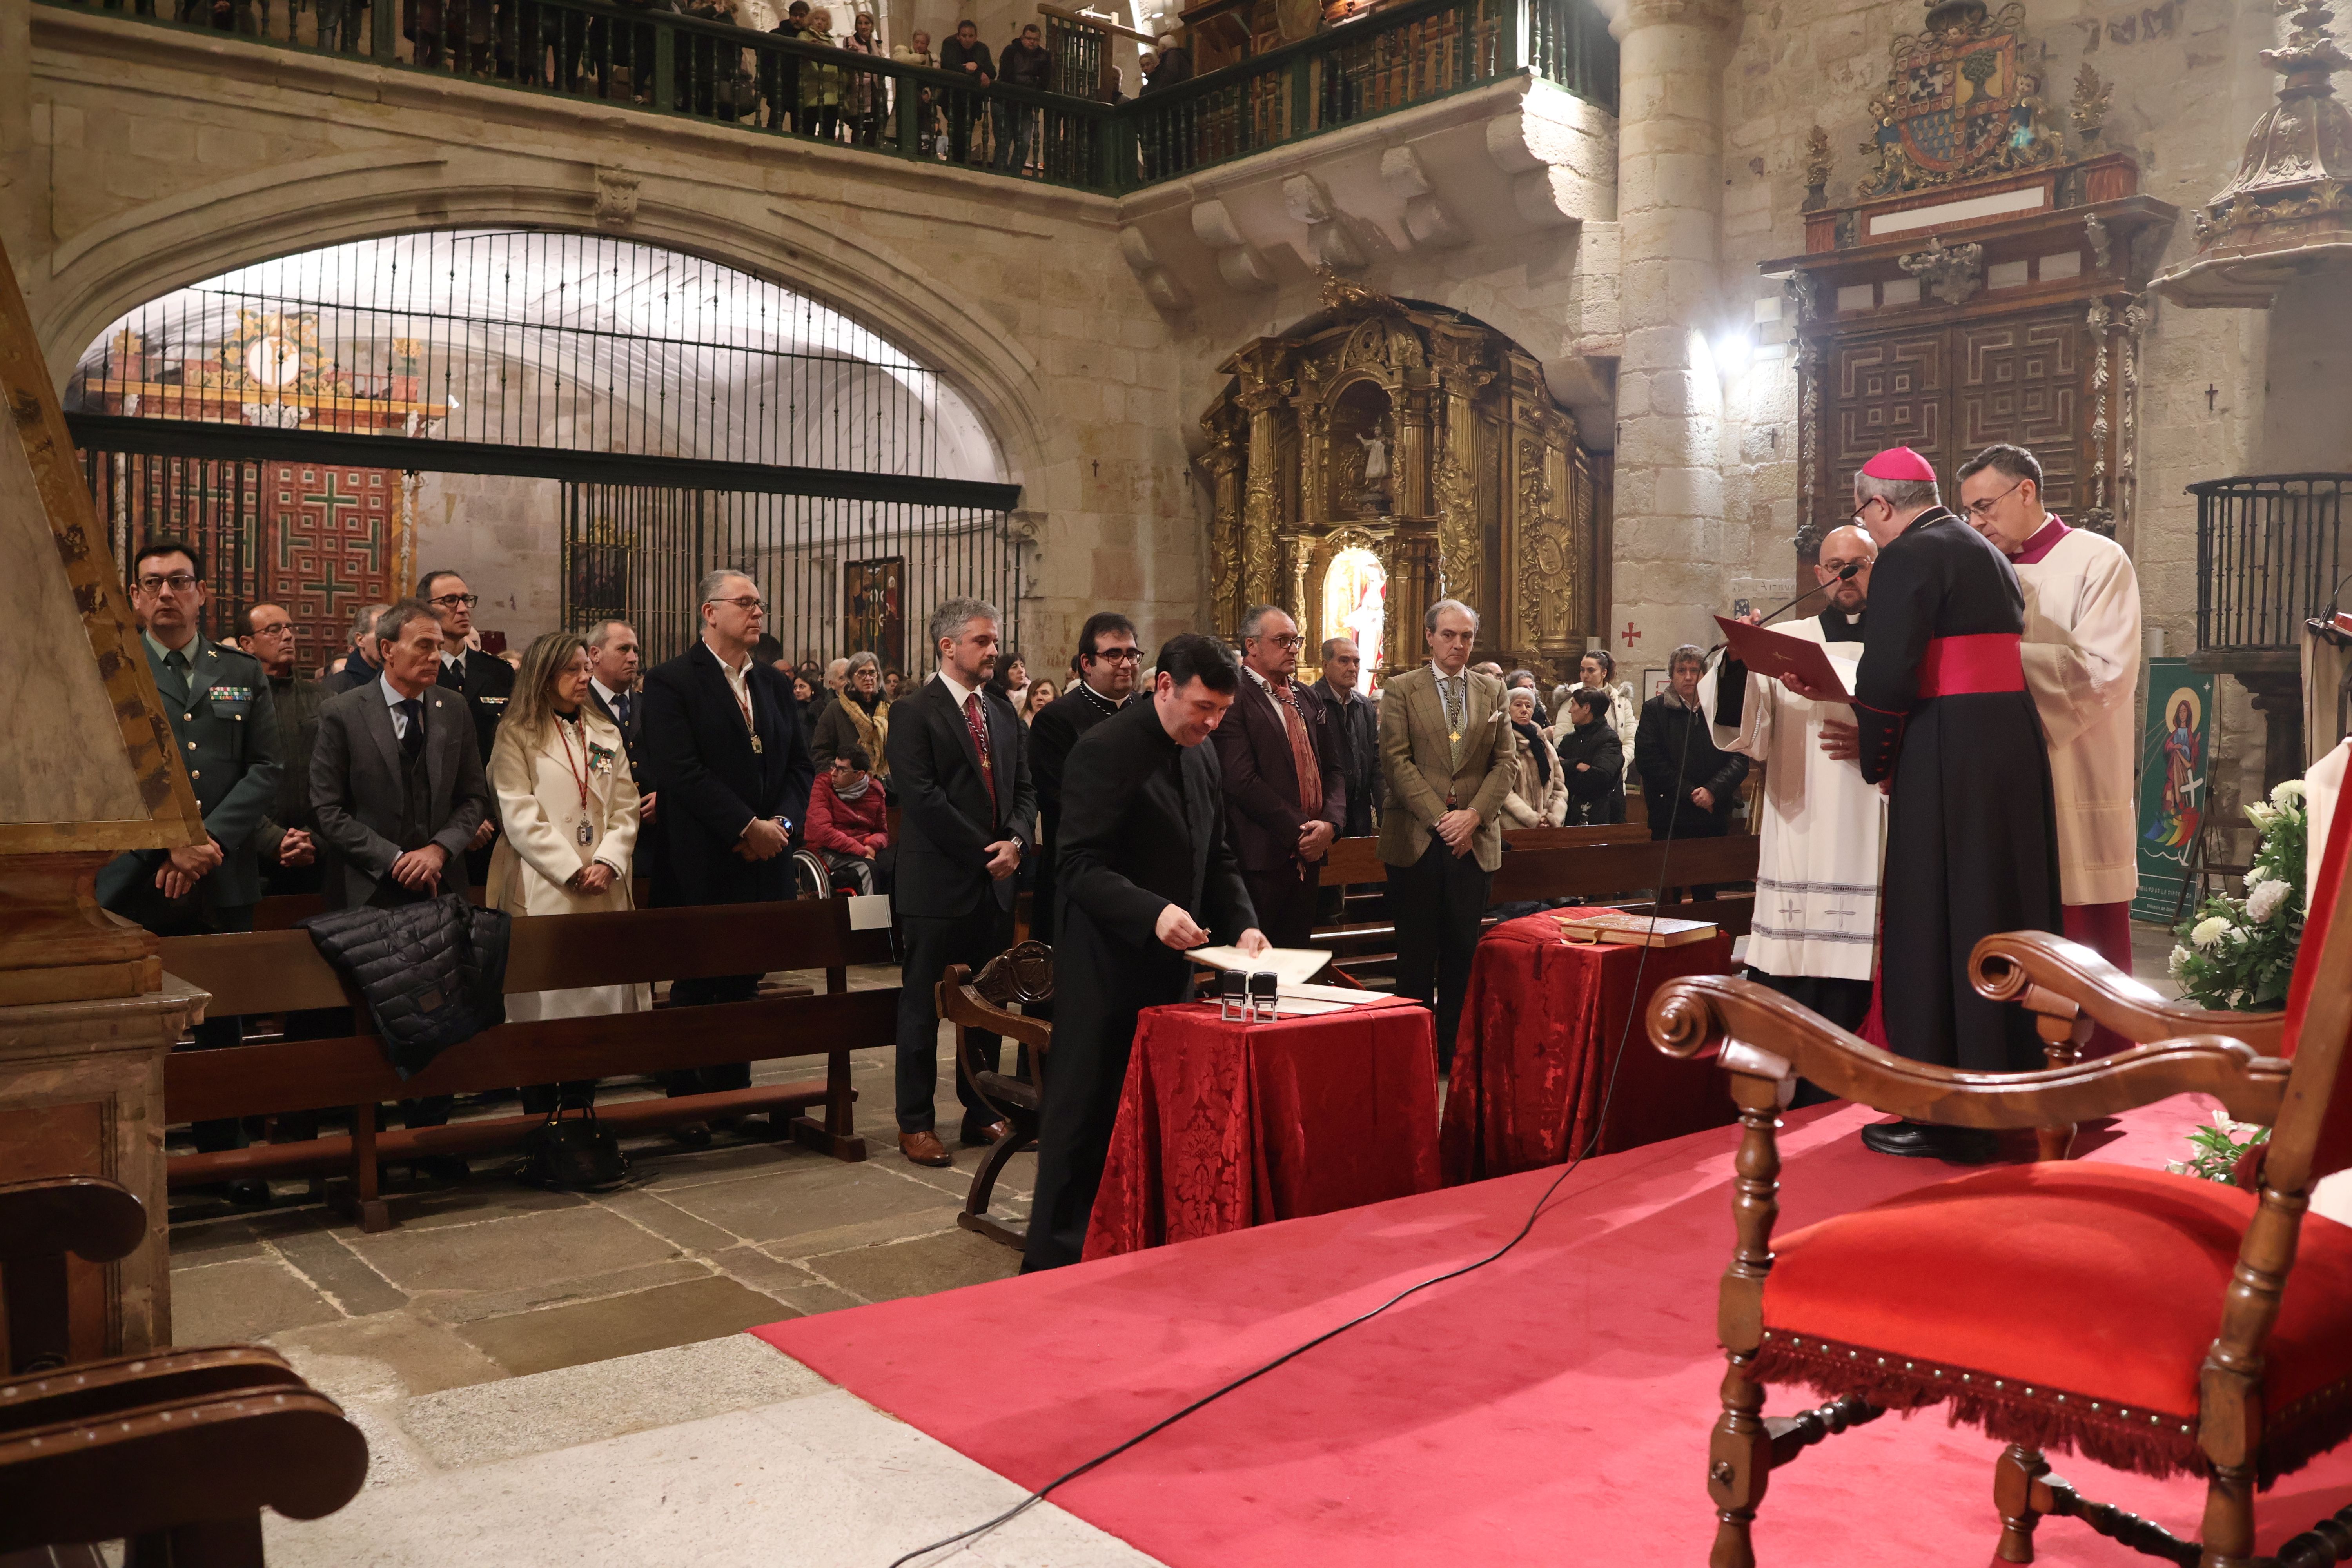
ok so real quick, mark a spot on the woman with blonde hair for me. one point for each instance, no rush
(569, 809)
(821, 81)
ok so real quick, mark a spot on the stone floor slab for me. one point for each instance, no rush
(808, 1200)
(918, 1267)
(242, 1301)
(513, 1251)
(651, 1319)
(586, 1404)
(822, 1481)
(322, 1257)
(390, 1356)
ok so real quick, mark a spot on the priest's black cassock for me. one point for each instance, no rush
(1971, 841)
(1143, 826)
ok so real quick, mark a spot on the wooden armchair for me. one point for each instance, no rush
(176, 1452)
(1941, 1294)
(2070, 989)
(1023, 974)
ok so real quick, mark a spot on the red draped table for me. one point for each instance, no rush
(1226, 1125)
(1541, 1022)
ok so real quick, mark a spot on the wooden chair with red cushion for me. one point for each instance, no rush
(2147, 1320)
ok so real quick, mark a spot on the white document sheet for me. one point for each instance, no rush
(1291, 966)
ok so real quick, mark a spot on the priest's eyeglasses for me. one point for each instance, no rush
(1982, 506)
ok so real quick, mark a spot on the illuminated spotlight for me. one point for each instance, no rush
(1732, 351)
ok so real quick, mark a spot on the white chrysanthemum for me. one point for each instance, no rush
(2264, 899)
(2209, 932)
(2289, 792)
(2176, 962)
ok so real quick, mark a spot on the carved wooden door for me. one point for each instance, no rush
(1948, 392)
(1888, 390)
(2021, 381)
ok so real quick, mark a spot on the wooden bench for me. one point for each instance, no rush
(282, 971)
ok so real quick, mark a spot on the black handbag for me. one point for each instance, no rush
(580, 1155)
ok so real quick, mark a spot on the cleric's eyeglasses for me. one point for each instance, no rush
(1982, 506)
(1118, 655)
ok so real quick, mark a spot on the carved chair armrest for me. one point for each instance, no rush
(89, 1217)
(94, 1390)
(960, 1004)
(2060, 979)
(1768, 1038)
(178, 1462)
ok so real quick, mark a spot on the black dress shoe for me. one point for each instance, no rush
(1924, 1140)
(249, 1193)
(693, 1135)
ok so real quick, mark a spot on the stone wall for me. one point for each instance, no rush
(135, 161)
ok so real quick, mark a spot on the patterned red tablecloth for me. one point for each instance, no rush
(1225, 1125)
(1539, 1027)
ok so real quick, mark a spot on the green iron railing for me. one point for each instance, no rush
(697, 65)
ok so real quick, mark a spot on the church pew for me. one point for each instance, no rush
(282, 971)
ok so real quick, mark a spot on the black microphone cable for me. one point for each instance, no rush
(1600, 1121)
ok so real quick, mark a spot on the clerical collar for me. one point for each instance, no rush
(1107, 704)
(2043, 541)
(1837, 626)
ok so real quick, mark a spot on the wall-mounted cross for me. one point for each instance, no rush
(2211, 391)
(1632, 634)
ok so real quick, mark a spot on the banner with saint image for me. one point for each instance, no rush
(2176, 746)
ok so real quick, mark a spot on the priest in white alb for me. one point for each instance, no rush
(1816, 920)
(2082, 659)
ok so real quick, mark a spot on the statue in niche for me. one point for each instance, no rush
(1372, 501)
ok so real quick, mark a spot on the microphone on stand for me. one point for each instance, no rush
(1845, 574)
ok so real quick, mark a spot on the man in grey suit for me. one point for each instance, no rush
(396, 775)
(1448, 757)
(218, 701)
(397, 780)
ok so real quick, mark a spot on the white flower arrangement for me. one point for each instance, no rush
(2288, 793)
(2207, 933)
(2239, 954)
(2263, 899)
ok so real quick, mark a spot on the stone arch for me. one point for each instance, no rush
(100, 274)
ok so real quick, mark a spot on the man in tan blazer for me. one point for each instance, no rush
(1447, 761)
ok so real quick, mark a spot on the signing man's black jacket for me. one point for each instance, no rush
(712, 783)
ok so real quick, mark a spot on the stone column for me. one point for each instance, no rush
(1670, 541)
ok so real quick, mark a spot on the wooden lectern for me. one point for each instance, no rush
(86, 1012)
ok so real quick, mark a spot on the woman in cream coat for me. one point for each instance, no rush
(568, 810)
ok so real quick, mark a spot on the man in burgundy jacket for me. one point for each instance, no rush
(1285, 794)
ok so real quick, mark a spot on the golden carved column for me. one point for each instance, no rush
(1455, 501)
(1409, 473)
(1262, 395)
(1223, 461)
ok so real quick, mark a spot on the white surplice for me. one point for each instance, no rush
(1824, 830)
(2082, 664)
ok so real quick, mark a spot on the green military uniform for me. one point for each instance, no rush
(218, 702)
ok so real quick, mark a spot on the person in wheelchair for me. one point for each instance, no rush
(847, 827)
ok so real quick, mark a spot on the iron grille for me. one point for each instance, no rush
(839, 576)
(2270, 555)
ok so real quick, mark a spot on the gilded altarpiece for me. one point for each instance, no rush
(1383, 456)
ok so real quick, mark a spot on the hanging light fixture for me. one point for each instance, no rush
(2287, 214)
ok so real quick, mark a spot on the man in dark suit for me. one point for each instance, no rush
(487, 683)
(1284, 795)
(1146, 872)
(360, 664)
(1356, 727)
(614, 660)
(290, 852)
(1106, 664)
(396, 781)
(218, 702)
(722, 744)
(966, 814)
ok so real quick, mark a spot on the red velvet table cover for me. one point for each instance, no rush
(1542, 1020)
(1226, 1125)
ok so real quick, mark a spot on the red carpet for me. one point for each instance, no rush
(1552, 1406)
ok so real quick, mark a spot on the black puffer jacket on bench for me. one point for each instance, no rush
(433, 973)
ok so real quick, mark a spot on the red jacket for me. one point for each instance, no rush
(847, 826)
